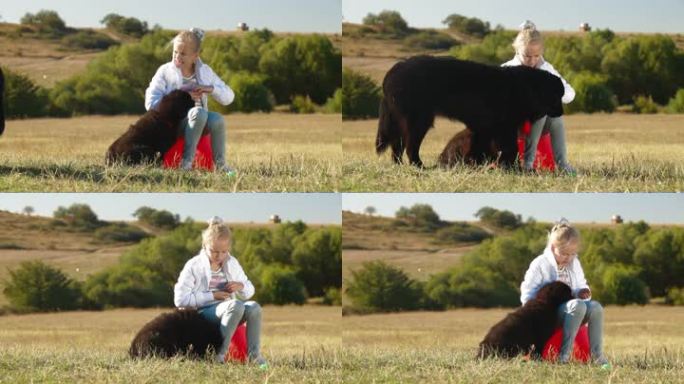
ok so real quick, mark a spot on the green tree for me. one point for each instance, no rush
(36, 286)
(79, 216)
(280, 285)
(468, 25)
(676, 103)
(621, 285)
(501, 219)
(360, 96)
(592, 94)
(157, 218)
(318, 258)
(251, 93)
(23, 98)
(388, 22)
(421, 216)
(382, 287)
(47, 21)
(125, 25)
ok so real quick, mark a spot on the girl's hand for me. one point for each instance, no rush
(196, 93)
(221, 295)
(234, 286)
(584, 293)
(206, 88)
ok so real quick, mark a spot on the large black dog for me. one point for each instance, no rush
(493, 102)
(155, 132)
(182, 332)
(529, 327)
(2, 102)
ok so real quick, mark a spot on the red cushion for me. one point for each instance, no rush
(204, 158)
(581, 350)
(544, 158)
(238, 345)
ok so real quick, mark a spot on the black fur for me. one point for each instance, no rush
(182, 332)
(154, 133)
(493, 102)
(2, 102)
(529, 327)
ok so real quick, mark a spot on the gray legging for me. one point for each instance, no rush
(228, 315)
(557, 130)
(572, 315)
(193, 126)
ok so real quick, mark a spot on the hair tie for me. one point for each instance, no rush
(562, 222)
(215, 220)
(527, 25)
(198, 32)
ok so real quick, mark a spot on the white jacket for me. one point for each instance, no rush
(569, 94)
(192, 288)
(544, 270)
(169, 78)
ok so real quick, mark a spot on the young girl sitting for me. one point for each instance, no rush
(215, 284)
(559, 262)
(187, 72)
(529, 46)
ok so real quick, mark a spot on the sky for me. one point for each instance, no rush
(323, 16)
(311, 208)
(666, 16)
(655, 208)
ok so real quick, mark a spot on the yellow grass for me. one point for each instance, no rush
(616, 153)
(271, 152)
(302, 344)
(644, 344)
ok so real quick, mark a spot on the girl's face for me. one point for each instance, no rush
(565, 253)
(531, 55)
(184, 55)
(218, 250)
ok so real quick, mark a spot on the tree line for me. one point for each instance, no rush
(624, 264)
(263, 69)
(639, 73)
(288, 263)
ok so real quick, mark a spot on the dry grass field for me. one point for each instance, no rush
(612, 153)
(302, 344)
(644, 345)
(271, 152)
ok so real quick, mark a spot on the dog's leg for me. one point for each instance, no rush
(479, 147)
(399, 142)
(507, 141)
(417, 130)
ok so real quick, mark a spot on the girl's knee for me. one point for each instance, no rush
(595, 308)
(197, 113)
(576, 306)
(253, 309)
(235, 306)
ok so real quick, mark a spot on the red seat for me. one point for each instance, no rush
(544, 158)
(581, 350)
(238, 345)
(204, 158)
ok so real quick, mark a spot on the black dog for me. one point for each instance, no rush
(493, 102)
(529, 327)
(2, 102)
(155, 132)
(182, 332)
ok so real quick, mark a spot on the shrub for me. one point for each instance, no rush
(360, 96)
(675, 296)
(302, 104)
(334, 104)
(592, 94)
(23, 98)
(676, 103)
(430, 40)
(621, 285)
(317, 255)
(280, 285)
(500, 219)
(157, 218)
(461, 232)
(251, 93)
(333, 296)
(88, 39)
(420, 216)
(382, 287)
(36, 286)
(120, 232)
(644, 104)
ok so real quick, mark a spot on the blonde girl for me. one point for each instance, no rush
(187, 72)
(529, 47)
(215, 284)
(559, 262)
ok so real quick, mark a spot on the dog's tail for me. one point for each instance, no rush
(387, 129)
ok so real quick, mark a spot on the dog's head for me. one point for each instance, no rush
(541, 91)
(175, 105)
(555, 293)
